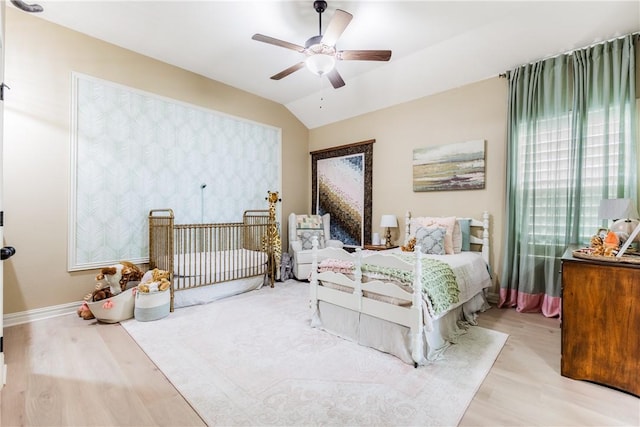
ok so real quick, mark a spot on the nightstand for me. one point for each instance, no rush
(378, 247)
(600, 318)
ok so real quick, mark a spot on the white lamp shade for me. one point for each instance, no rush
(389, 221)
(617, 209)
(320, 63)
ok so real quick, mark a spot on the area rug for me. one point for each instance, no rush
(253, 359)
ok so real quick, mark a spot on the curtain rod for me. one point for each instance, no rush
(635, 35)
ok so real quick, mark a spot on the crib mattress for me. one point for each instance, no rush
(220, 265)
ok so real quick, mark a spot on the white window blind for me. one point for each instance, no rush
(546, 167)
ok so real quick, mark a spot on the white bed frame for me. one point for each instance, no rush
(410, 315)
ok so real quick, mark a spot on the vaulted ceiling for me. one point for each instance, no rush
(437, 45)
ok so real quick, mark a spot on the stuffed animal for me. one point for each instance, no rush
(117, 276)
(597, 245)
(154, 280)
(98, 294)
(85, 312)
(607, 246)
(411, 245)
(286, 267)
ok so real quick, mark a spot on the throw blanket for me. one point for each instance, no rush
(439, 286)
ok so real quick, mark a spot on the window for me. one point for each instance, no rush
(545, 165)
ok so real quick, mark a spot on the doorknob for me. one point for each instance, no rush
(7, 252)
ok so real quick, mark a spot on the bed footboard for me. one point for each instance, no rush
(411, 315)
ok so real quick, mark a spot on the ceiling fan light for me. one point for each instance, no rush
(320, 64)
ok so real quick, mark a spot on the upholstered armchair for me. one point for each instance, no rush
(302, 229)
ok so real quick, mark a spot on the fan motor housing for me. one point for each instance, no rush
(320, 6)
(314, 45)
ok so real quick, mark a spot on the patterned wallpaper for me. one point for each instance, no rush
(134, 151)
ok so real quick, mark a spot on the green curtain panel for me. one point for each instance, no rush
(570, 143)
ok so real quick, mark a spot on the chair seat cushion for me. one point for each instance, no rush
(304, 257)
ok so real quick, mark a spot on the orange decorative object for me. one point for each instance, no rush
(611, 243)
(611, 240)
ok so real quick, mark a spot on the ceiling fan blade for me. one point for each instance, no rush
(336, 27)
(277, 42)
(285, 73)
(364, 55)
(335, 79)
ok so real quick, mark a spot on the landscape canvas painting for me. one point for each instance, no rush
(457, 166)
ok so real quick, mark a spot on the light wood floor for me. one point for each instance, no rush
(67, 371)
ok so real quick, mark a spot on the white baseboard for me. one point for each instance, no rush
(40, 314)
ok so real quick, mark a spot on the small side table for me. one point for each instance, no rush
(378, 247)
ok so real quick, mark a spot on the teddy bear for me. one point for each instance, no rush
(85, 312)
(597, 245)
(606, 246)
(154, 280)
(117, 276)
(411, 245)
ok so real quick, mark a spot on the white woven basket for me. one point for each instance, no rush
(152, 305)
(114, 309)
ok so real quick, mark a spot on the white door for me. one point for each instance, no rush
(3, 367)
(6, 251)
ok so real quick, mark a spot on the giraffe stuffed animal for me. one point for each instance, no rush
(271, 243)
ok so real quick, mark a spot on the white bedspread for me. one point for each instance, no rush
(472, 275)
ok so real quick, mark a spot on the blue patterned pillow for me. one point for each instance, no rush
(431, 240)
(306, 238)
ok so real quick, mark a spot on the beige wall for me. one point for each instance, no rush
(40, 57)
(476, 111)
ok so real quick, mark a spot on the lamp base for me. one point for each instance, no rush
(387, 238)
(624, 227)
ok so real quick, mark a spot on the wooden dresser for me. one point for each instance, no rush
(601, 322)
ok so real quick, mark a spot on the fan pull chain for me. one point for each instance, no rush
(322, 90)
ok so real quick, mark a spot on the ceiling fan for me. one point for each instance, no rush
(321, 50)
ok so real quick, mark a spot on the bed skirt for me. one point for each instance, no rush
(395, 339)
(209, 293)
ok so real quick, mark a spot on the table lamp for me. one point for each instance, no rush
(623, 213)
(389, 221)
(625, 216)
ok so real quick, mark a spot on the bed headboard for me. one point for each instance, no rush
(479, 236)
